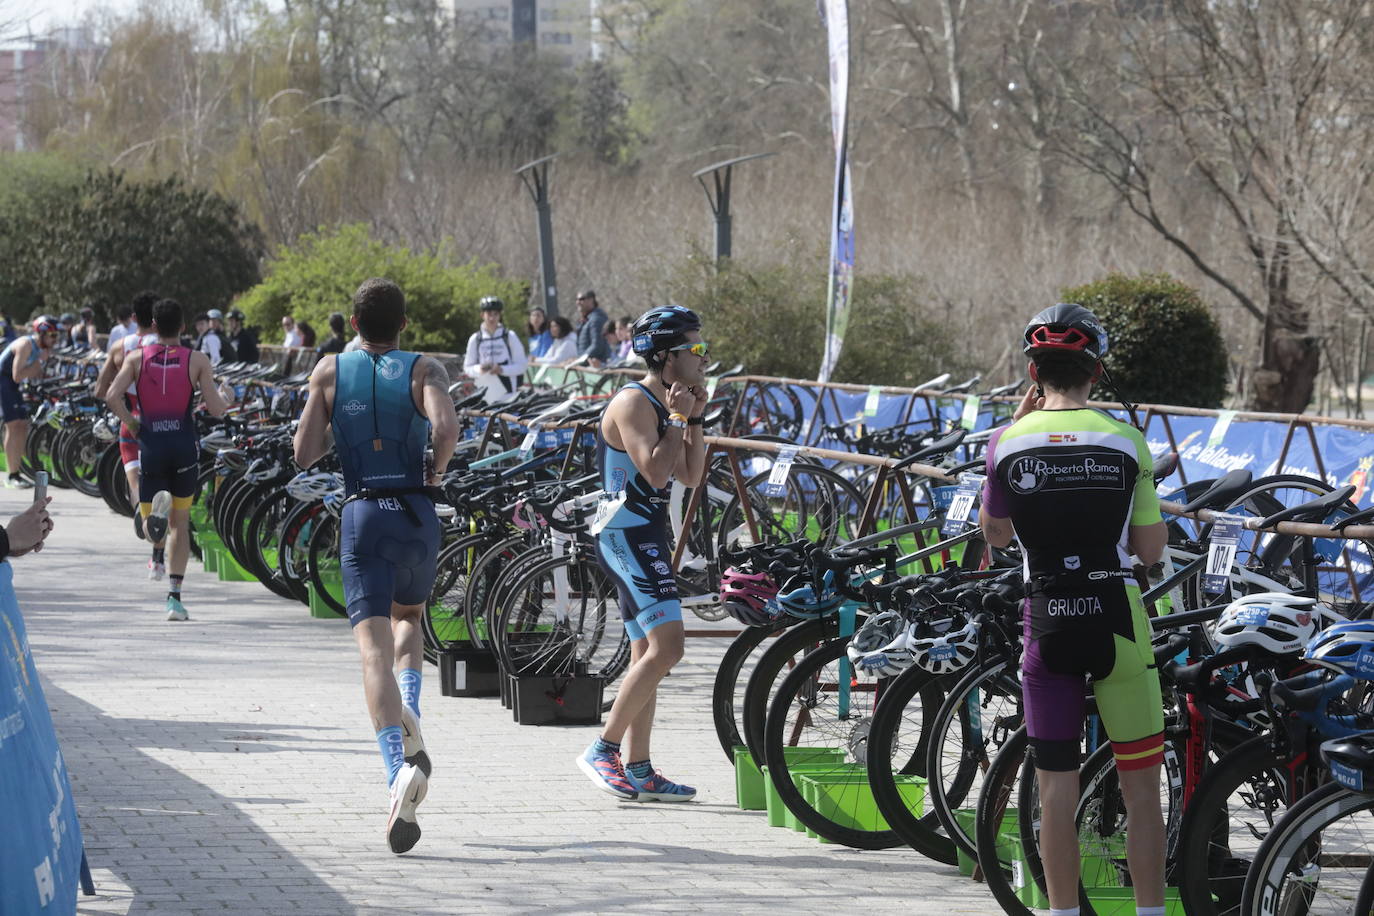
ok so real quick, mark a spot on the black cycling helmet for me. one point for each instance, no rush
(1351, 760)
(491, 304)
(1066, 328)
(67, 320)
(662, 328)
(237, 315)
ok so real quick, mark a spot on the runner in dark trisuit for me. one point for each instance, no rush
(383, 406)
(1076, 486)
(165, 377)
(646, 439)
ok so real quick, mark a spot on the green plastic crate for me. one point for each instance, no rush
(779, 815)
(1120, 901)
(318, 607)
(229, 570)
(209, 557)
(751, 786)
(1008, 849)
(847, 799)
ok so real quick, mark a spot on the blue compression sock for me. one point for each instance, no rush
(409, 681)
(393, 751)
(640, 769)
(602, 746)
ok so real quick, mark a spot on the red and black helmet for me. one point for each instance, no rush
(44, 324)
(1066, 328)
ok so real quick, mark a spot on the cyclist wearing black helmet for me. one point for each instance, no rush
(1074, 485)
(242, 339)
(495, 356)
(649, 434)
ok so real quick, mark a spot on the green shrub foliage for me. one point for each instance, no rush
(1165, 344)
(771, 318)
(320, 272)
(113, 237)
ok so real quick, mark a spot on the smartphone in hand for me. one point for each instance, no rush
(40, 486)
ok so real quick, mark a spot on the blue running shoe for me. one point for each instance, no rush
(606, 773)
(656, 787)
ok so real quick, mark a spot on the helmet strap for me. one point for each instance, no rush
(1130, 408)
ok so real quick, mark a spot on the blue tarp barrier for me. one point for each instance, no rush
(40, 838)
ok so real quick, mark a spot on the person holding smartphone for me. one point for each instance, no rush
(23, 359)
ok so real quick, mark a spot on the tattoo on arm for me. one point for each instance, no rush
(436, 374)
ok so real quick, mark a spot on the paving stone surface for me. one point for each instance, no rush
(226, 765)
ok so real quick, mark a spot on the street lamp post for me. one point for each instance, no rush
(721, 173)
(535, 176)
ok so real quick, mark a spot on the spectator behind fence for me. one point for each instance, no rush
(537, 330)
(40, 841)
(591, 340)
(84, 334)
(337, 340)
(291, 335)
(244, 340)
(562, 343)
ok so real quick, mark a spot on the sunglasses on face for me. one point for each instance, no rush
(700, 348)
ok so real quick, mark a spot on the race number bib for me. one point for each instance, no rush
(777, 478)
(606, 508)
(1221, 553)
(961, 505)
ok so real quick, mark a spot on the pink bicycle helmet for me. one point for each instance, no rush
(749, 597)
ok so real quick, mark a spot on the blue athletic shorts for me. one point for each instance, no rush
(385, 556)
(637, 560)
(169, 461)
(12, 406)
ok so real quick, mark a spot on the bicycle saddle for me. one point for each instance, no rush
(1312, 511)
(1223, 492)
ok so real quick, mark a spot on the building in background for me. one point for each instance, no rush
(559, 30)
(23, 68)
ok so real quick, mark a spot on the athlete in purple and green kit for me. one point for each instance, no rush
(1074, 486)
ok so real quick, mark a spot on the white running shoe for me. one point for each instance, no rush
(409, 789)
(414, 742)
(156, 570)
(156, 523)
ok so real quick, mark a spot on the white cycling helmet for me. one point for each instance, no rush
(1273, 621)
(308, 487)
(106, 428)
(880, 647)
(952, 648)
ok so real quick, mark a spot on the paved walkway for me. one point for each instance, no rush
(226, 764)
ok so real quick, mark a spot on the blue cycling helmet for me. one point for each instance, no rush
(1347, 648)
(804, 604)
(663, 328)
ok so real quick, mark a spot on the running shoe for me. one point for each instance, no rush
(655, 787)
(138, 524)
(156, 570)
(15, 482)
(176, 610)
(156, 522)
(606, 773)
(414, 742)
(409, 789)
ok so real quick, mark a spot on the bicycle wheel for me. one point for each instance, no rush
(824, 704)
(114, 486)
(323, 567)
(898, 743)
(739, 658)
(442, 625)
(1234, 807)
(977, 715)
(561, 618)
(293, 545)
(1317, 857)
(815, 503)
(998, 852)
(262, 547)
(79, 460)
(785, 651)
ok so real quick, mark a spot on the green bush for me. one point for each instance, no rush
(1165, 345)
(771, 318)
(114, 237)
(31, 186)
(320, 272)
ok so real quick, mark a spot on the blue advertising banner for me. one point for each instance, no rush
(40, 838)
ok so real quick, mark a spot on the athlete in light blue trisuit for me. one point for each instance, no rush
(651, 433)
(384, 406)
